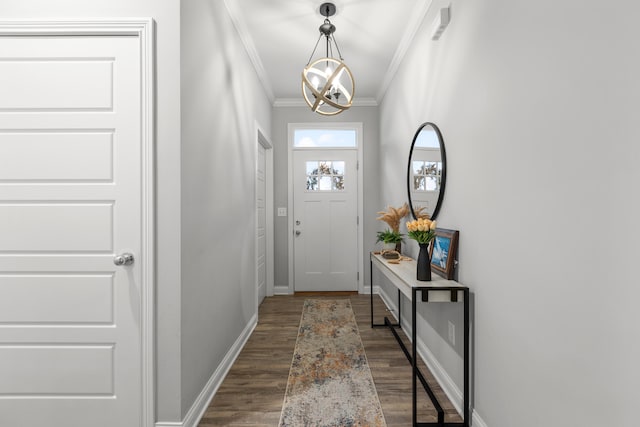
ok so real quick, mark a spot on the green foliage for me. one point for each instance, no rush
(389, 236)
(422, 236)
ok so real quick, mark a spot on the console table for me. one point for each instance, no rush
(403, 277)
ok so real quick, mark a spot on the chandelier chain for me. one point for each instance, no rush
(314, 50)
(337, 47)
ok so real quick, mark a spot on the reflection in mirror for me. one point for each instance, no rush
(426, 172)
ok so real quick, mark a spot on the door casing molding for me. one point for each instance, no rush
(143, 29)
(290, 228)
(265, 142)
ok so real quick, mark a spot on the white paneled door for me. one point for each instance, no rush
(325, 187)
(70, 202)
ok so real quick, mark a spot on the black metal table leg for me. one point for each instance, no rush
(414, 362)
(465, 399)
(399, 309)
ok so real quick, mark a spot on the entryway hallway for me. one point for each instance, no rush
(253, 391)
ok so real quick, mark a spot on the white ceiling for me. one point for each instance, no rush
(371, 34)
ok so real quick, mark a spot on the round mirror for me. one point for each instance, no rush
(426, 172)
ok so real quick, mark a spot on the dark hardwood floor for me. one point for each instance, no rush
(253, 392)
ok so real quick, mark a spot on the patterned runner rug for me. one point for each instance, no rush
(330, 383)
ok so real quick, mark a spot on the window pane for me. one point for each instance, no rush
(431, 183)
(430, 168)
(325, 183)
(312, 168)
(338, 168)
(312, 183)
(325, 168)
(338, 183)
(324, 138)
(417, 167)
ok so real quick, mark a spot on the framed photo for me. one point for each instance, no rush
(443, 252)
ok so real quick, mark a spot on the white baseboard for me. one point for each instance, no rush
(476, 421)
(202, 402)
(281, 290)
(366, 290)
(444, 379)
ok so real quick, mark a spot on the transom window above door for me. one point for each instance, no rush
(325, 138)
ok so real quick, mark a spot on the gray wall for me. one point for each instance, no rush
(221, 100)
(538, 105)
(282, 116)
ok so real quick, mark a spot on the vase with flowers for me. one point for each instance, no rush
(422, 230)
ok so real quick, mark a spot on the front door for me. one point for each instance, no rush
(325, 192)
(70, 202)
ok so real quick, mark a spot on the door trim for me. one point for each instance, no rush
(360, 138)
(263, 140)
(143, 28)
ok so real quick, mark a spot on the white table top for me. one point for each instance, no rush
(403, 276)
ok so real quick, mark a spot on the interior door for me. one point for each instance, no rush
(325, 186)
(70, 202)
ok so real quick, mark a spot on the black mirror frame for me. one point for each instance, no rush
(443, 178)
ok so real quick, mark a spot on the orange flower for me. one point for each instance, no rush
(422, 230)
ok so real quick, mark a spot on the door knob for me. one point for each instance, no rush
(123, 259)
(298, 232)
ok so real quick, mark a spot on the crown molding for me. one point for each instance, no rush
(249, 46)
(299, 102)
(417, 17)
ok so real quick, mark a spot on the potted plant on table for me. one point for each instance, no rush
(389, 239)
(392, 217)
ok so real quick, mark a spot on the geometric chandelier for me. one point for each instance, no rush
(327, 83)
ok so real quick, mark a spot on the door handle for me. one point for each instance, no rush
(298, 232)
(123, 259)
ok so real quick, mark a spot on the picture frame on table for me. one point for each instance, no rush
(443, 252)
